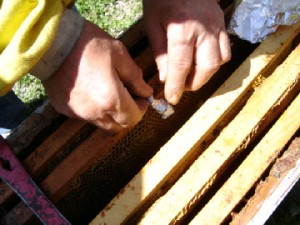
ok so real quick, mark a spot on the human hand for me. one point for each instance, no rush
(189, 42)
(99, 83)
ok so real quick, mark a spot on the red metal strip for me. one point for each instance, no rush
(13, 173)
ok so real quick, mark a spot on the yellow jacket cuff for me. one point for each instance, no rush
(27, 30)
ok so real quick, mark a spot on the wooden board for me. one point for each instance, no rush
(44, 155)
(252, 168)
(273, 93)
(186, 141)
(270, 192)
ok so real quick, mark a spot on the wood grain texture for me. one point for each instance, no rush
(44, 154)
(241, 181)
(270, 192)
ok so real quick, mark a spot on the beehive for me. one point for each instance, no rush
(218, 159)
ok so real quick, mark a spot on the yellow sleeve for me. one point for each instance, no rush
(27, 29)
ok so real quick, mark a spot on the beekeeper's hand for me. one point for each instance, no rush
(99, 83)
(189, 42)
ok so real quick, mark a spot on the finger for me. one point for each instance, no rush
(131, 76)
(158, 42)
(107, 123)
(162, 62)
(130, 111)
(180, 59)
(121, 112)
(225, 48)
(207, 62)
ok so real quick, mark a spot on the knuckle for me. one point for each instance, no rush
(181, 63)
(82, 114)
(214, 66)
(211, 65)
(180, 37)
(110, 104)
(129, 121)
(127, 124)
(119, 45)
(109, 100)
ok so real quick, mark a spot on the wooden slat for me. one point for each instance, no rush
(44, 154)
(233, 139)
(26, 133)
(52, 146)
(190, 136)
(241, 181)
(269, 193)
(94, 147)
(55, 185)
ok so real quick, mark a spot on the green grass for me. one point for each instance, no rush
(29, 89)
(112, 16)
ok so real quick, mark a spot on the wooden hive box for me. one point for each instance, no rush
(228, 155)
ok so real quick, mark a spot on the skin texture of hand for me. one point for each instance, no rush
(189, 42)
(99, 83)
